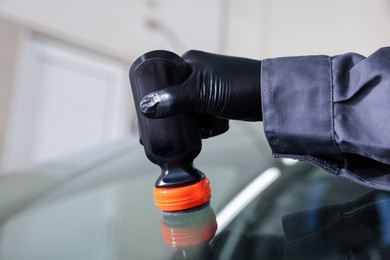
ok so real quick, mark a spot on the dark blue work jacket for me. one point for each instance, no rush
(331, 111)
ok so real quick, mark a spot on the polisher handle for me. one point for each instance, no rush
(174, 142)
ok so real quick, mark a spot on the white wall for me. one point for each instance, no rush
(122, 27)
(326, 27)
(9, 50)
(256, 28)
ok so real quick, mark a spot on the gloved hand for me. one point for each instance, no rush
(222, 86)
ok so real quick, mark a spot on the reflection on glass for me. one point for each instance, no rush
(358, 229)
(355, 230)
(189, 232)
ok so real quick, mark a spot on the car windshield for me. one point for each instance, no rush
(264, 208)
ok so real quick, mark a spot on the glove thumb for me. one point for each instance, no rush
(167, 102)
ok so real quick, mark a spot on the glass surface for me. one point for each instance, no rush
(308, 214)
(103, 209)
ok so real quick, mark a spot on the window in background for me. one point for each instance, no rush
(67, 100)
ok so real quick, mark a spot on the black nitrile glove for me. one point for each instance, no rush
(221, 86)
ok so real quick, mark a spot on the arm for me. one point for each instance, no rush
(331, 111)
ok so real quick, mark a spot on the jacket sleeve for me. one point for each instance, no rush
(331, 111)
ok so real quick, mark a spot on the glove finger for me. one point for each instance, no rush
(166, 102)
(212, 126)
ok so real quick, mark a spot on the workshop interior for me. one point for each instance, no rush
(75, 182)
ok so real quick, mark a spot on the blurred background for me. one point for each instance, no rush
(64, 64)
(64, 91)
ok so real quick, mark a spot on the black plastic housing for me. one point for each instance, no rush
(174, 142)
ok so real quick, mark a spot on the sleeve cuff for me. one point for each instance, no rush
(297, 100)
